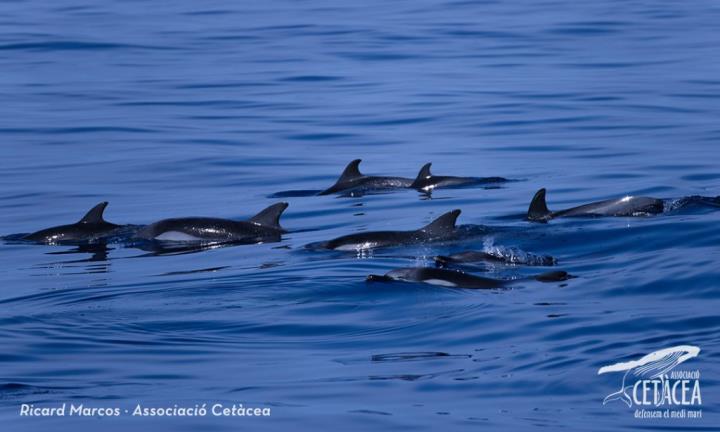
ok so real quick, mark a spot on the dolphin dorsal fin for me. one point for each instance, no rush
(425, 171)
(422, 176)
(538, 210)
(351, 172)
(443, 224)
(270, 217)
(95, 215)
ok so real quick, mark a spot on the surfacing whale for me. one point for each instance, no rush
(626, 206)
(352, 181)
(263, 227)
(426, 181)
(442, 228)
(92, 227)
(457, 278)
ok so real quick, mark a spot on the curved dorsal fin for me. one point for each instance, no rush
(538, 210)
(425, 171)
(270, 217)
(422, 177)
(442, 225)
(95, 215)
(352, 171)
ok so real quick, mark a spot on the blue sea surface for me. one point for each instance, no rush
(208, 108)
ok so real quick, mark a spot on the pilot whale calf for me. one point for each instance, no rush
(353, 181)
(442, 228)
(457, 278)
(263, 227)
(426, 181)
(626, 206)
(90, 228)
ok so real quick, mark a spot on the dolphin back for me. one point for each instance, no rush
(553, 276)
(90, 227)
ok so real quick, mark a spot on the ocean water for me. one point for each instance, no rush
(189, 108)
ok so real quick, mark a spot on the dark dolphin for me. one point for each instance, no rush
(426, 181)
(457, 278)
(693, 201)
(513, 256)
(90, 228)
(626, 206)
(442, 228)
(353, 181)
(263, 227)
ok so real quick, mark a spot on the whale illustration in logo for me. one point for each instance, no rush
(651, 366)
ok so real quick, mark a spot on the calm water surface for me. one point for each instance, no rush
(207, 108)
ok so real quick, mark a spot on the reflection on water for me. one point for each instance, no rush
(97, 252)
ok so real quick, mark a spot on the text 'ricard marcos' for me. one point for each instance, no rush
(72, 410)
